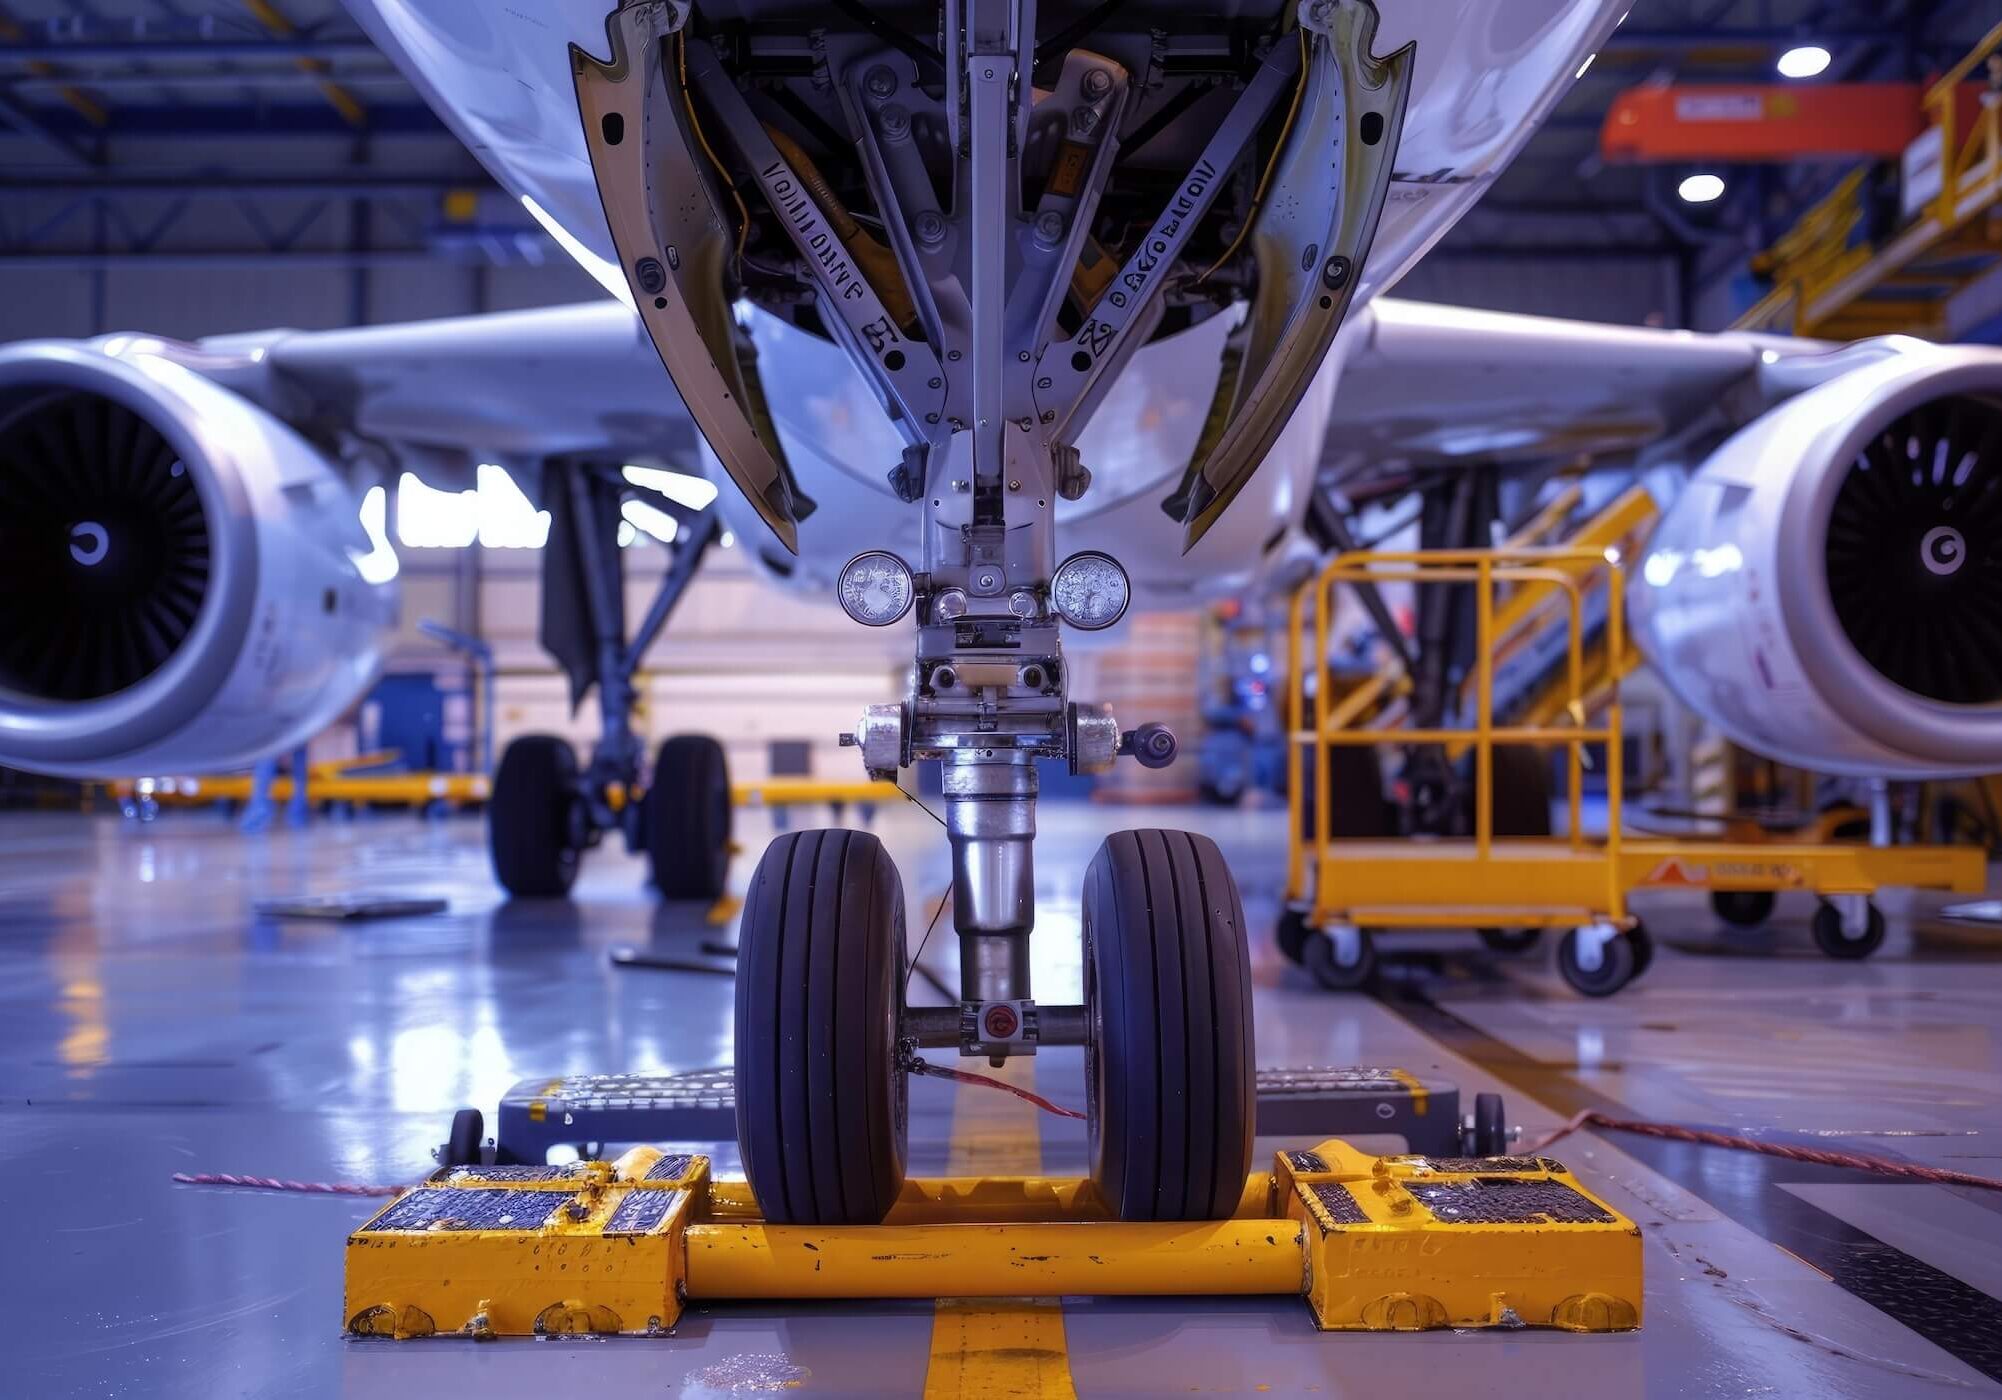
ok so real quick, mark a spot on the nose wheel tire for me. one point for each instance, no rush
(1743, 908)
(822, 1117)
(688, 818)
(1837, 942)
(530, 831)
(1168, 1058)
(1341, 969)
(1620, 961)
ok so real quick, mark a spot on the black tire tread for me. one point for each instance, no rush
(528, 833)
(821, 1138)
(687, 829)
(1173, 972)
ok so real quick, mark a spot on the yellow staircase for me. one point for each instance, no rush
(1832, 280)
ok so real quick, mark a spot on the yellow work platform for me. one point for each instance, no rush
(1544, 883)
(1371, 1243)
(1506, 884)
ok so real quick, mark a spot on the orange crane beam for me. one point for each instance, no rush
(1759, 123)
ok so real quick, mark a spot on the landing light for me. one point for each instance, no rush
(875, 588)
(1806, 61)
(1701, 189)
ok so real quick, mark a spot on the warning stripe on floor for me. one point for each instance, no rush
(998, 1346)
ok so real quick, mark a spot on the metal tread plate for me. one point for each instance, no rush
(1304, 1102)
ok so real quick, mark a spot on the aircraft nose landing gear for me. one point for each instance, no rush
(822, 1117)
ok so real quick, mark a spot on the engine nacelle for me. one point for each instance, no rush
(1828, 588)
(186, 582)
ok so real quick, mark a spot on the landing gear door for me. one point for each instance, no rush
(675, 243)
(1323, 196)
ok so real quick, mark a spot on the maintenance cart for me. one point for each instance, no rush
(1341, 889)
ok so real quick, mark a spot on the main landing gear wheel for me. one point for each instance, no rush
(1743, 908)
(688, 818)
(1619, 961)
(822, 1116)
(531, 823)
(1510, 940)
(1169, 1063)
(1837, 940)
(1341, 960)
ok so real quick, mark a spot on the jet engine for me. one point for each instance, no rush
(184, 580)
(1828, 588)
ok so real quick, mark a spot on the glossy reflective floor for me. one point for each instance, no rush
(153, 1024)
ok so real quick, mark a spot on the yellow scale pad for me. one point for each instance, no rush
(1373, 1243)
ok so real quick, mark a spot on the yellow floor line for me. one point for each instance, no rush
(997, 1346)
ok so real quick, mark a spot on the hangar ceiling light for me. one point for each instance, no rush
(1805, 61)
(1701, 189)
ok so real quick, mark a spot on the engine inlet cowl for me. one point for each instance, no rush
(1914, 551)
(181, 581)
(104, 548)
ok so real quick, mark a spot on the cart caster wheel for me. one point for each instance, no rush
(1743, 908)
(1643, 946)
(462, 1144)
(1838, 942)
(1339, 968)
(1168, 1060)
(1510, 940)
(1489, 1135)
(531, 821)
(1615, 967)
(688, 818)
(1292, 934)
(820, 978)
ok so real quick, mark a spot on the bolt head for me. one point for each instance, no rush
(929, 227)
(1097, 83)
(1022, 603)
(1049, 228)
(1085, 119)
(881, 82)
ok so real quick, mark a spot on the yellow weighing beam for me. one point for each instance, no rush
(1371, 1243)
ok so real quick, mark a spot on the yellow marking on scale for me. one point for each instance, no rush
(1420, 1095)
(998, 1346)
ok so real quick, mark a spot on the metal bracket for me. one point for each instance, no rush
(1068, 371)
(904, 372)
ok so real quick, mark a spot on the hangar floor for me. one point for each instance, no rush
(154, 1025)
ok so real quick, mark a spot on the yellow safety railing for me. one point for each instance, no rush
(1566, 573)
(1958, 156)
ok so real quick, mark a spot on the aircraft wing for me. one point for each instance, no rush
(560, 380)
(1435, 385)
